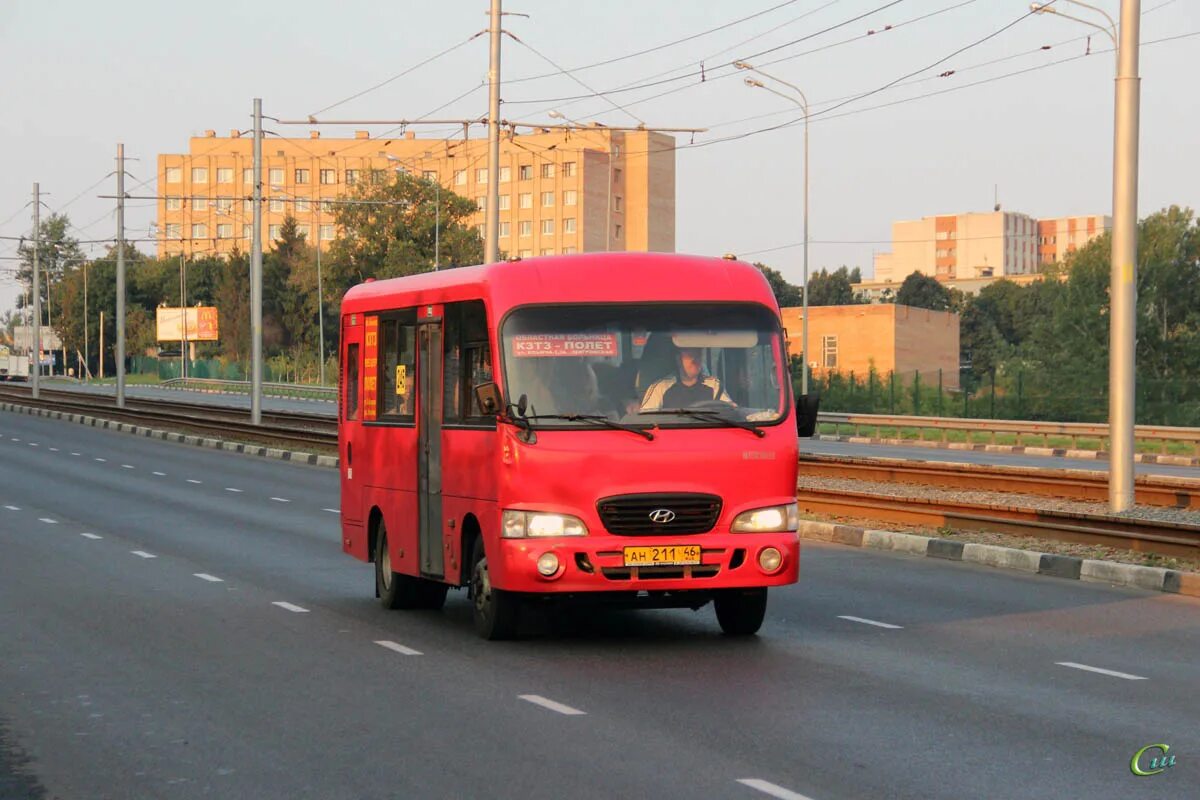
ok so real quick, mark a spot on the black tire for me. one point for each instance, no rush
(740, 612)
(432, 594)
(495, 610)
(393, 589)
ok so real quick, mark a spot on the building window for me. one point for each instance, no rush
(275, 176)
(547, 251)
(430, 175)
(568, 251)
(224, 174)
(547, 227)
(303, 230)
(247, 205)
(570, 197)
(248, 175)
(247, 232)
(505, 174)
(274, 231)
(616, 176)
(174, 174)
(326, 206)
(481, 176)
(481, 201)
(378, 177)
(505, 202)
(525, 200)
(174, 203)
(504, 229)
(199, 204)
(460, 177)
(525, 172)
(199, 174)
(326, 233)
(328, 177)
(829, 351)
(617, 232)
(547, 199)
(303, 207)
(524, 228)
(568, 169)
(276, 205)
(225, 231)
(352, 176)
(199, 231)
(224, 204)
(481, 230)
(524, 254)
(174, 230)
(547, 170)
(568, 225)
(616, 202)
(302, 176)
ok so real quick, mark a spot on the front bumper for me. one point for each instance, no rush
(596, 563)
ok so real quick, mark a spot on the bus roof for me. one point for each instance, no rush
(580, 278)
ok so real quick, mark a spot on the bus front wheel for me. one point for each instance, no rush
(495, 610)
(740, 612)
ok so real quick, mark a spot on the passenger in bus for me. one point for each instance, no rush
(689, 386)
(563, 385)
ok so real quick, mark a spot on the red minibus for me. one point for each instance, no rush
(610, 427)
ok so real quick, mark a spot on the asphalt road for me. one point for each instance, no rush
(144, 653)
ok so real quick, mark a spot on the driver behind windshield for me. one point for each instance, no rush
(689, 386)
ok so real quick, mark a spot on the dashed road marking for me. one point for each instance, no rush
(877, 624)
(53, 449)
(143, 554)
(231, 489)
(127, 466)
(1098, 670)
(48, 521)
(76, 454)
(15, 439)
(90, 536)
(159, 474)
(101, 460)
(766, 787)
(281, 500)
(399, 648)
(13, 508)
(204, 576)
(34, 444)
(331, 510)
(289, 607)
(544, 702)
(193, 480)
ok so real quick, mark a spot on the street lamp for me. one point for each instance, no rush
(802, 103)
(437, 208)
(1122, 373)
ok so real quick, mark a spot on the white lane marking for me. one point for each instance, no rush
(127, 466)
(76, 454)
(101, 460)
(331, 510)
(143, 554)
(766, 787)
(13, 508)
(231, 489)
(90, 536)
(15, 439)
(871, 622)
(53, 449)
(290, 607)
(399, 648)
(281, 500)
(538, 700)
(159, 474)
(34, 444)
(193, 480)
(48, 521)
(1109, 672)
(204, 576)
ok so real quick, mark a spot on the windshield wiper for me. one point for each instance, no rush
(716, 416)
(605, 421)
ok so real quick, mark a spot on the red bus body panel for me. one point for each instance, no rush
(567, 471)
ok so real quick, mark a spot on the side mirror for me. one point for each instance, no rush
(522, 404)
(487, 395)
(806, 414)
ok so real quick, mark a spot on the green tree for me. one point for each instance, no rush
(787, 295)
(922, 291)
(832, 288)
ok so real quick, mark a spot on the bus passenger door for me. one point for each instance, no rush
(429, 448)
(350, 408)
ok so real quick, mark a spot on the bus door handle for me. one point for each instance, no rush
(349, 453)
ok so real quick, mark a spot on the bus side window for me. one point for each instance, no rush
(397, 373)
(452, 358)
(351, 402)
(467, 360)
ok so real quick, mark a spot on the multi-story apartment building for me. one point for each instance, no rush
(981, 245)
(560, 192)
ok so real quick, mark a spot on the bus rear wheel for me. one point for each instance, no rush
(396, 590)
(495, 610)
(740, 612)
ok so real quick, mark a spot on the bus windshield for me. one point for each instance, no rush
(678, 364)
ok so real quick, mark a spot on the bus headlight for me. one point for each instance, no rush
(520, 524)
(767, 520)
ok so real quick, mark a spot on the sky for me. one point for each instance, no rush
(891, 137)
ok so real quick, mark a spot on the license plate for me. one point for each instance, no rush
(671, 555)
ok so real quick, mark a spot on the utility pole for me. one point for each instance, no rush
(87, 372)
(256, 299)
(492, 234)
(1122, 375)
(320, 298)
(120, 321)
(37, 292)
(183, 342)
(101, 359)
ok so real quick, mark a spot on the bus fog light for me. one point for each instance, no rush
(769, 559)
(547, 564)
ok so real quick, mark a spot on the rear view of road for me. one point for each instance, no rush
(180, 622)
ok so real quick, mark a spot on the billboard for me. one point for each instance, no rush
(201, 324)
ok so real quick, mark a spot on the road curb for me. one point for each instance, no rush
(1013, 449)
(258, 451)
(1051, 564)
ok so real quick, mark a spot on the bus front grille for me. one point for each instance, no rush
(659, 513)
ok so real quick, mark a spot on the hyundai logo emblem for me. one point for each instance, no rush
(662, 515)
